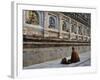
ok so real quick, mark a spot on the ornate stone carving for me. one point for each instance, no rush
(52, 22)
(33, 18)
(80, 29)
(74, 26)
(65, 26)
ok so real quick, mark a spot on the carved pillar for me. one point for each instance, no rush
(26, 15)
(82, 32)
(70, 26)
(25, 18)
(77, 30)
(45, 24)
(60, 26)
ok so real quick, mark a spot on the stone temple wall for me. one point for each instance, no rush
(39, 55)
(51, 35)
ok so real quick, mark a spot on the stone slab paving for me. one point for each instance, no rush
(85, 60)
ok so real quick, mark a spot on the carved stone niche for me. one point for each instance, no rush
(74, 26)
(52, 21)
(65, 25)
(80, 29)
(33, 17)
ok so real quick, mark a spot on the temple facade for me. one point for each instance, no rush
(50, 35)
(55, 25)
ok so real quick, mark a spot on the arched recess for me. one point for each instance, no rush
(33, 18)
(80, 29)
(74, 26)
(52, 22)
(64, 25)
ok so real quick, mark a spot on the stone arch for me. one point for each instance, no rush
(52, 22)
(33, 17)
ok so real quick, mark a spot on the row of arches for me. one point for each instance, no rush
(34, 19)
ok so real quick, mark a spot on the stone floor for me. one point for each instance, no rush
(85, 60)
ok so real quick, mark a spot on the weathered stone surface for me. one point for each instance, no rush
(39, 55)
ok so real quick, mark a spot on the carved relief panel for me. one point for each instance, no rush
(52, 22)
(33, 17)
(65, 24)
(80, 29)
(74, 26)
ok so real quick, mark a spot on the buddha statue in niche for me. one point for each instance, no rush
(52, 22)
(33, 18)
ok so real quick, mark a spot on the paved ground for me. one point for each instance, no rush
(84, 61)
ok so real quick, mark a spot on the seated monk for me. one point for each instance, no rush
(74, 56)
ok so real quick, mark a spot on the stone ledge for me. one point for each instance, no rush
(34, 38)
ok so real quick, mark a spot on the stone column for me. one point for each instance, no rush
(25, 18)
(77, 30)
(26, 13)
(46, 24)
(70, 26)
(60, 26)
(82, 32)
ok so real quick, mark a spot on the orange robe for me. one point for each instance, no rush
(75, 56)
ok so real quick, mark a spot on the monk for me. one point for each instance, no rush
(74, 56)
